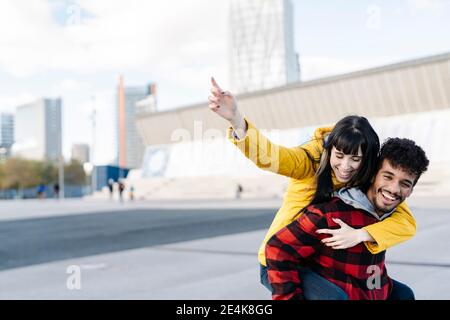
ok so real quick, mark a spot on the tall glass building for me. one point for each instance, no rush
(130, 145)
(6, 134)
(38, 130)
(261, 50)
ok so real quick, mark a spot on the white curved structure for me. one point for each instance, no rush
(187, 149)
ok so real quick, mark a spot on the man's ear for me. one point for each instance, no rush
(413, 186)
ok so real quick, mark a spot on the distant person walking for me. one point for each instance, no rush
(111, 188)
(56, 190)
(239, 190)
(131, 194)
(121, 189)
(41, 191)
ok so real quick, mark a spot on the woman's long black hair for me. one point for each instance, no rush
(347, 136)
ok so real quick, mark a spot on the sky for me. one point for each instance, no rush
(77, 49)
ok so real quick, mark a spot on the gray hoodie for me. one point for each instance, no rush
(358, 199)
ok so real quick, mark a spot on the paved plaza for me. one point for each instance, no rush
(177, 249)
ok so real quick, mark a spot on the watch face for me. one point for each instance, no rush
(155, 162)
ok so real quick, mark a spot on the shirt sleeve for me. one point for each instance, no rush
(395, 229)
(297, 162)
(288, 250)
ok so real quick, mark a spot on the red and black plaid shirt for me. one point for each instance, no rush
(298, 245)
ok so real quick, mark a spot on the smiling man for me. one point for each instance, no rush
(392, 185)
(359, 273)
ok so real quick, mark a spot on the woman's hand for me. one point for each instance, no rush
(224, 104)
(345, 237)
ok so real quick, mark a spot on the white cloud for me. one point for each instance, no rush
(27, 28)
(70, 84)
(8, 103)
(116, 35)
(67, 86)
(428, 4)
(180, 44)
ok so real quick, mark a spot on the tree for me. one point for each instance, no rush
(20, 173)
(74, 173)
(48, 172)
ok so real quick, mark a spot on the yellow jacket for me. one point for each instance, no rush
(295, 164)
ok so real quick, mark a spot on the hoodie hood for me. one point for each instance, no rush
(322, 132)
(358, 199)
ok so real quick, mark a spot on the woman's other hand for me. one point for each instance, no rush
(345, 237)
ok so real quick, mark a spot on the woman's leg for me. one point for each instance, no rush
(401, 291)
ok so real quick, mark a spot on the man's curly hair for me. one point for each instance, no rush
(404, 154)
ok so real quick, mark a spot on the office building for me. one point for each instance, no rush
(261, 49)
(38, 130)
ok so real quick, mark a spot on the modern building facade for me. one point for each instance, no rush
(415, 86)
(409, 99)
(261, 45)
(38, 130)
(130, 145)
(80, 152)
(6, 134)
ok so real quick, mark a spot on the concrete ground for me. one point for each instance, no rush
(176, 249)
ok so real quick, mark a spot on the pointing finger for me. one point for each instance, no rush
(214, 83)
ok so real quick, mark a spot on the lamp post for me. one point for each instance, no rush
(92, 162)
(61, 175)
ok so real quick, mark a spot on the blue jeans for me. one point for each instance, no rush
(314, 286)
(401, 291)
